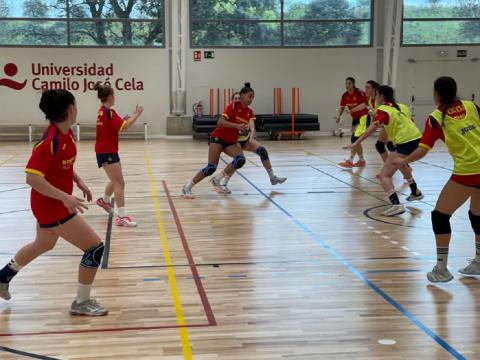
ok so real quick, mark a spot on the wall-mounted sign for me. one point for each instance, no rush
(209, 54)
(197, 55)
(462, 53)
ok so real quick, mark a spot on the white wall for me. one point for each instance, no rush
(148, 66)
(319, 73)
(417, 78)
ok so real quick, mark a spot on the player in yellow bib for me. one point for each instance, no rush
(397, 122)
(457, 123)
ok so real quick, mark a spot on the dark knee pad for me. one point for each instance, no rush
(93, 256)
(380, 146)
(263, 153)
(441, 223)
(391, 146)
(475, 221)
(353, 138)
(238, 162)
(209, 169)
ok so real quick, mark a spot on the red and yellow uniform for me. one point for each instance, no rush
(53, 158)
(352, 100)
(460, 130)
(109, 125)
(397, 124)
(235, 113)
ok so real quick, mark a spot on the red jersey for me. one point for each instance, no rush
(53, 158)
(109, 125)
(354, 99)
(433, 132)
(234, 113)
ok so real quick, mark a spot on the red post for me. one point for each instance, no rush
(293, 111)
(211, 102)
(218, 101)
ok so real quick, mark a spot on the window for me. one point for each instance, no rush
(441, 22)
(288, 23)
(132, 23)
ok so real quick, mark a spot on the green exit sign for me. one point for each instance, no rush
(209, 54)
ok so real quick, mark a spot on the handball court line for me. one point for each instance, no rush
(358, 274)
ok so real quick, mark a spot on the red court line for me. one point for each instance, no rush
(198, 282)
(146, 328)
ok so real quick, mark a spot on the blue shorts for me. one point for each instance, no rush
(407, 148)
(107, 158)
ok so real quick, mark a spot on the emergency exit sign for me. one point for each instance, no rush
(209, 54)
(462, 53)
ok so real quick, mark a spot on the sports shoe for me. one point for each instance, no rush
(472, 269)
(277, 180)
(360, 163)
(105, 206)
(225, 189)
(125, 221)
(394, 210)
(88, 308)
(187, 193)
(346, 164)
(413, 197)
(437, 275)
(217, 187)
(4, 293)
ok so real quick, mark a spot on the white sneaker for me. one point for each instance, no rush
(472, 269)
(217, 187)
(415, 197)
(277, 180)
(125, 221)
(4, 293)
(187, 192)
(225, 189)
(394, 210)
(437, 275)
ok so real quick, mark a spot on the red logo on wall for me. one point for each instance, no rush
(197, 55)
(11, 70)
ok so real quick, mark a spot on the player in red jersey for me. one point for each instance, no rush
(233, 122)
(109, 126)
(351, 99)
(50, 174)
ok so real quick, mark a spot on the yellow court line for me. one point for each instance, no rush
(10, 158)
(187, 351)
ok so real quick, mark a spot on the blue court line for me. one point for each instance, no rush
(359, 275)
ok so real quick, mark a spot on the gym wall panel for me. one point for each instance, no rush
(139, 76)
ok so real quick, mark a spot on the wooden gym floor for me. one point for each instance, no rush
(304, 270)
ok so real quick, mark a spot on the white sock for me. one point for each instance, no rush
(224, 180)
(352, 157)
(219, 176)
(14, 265)
(190, 185)
(121, 212)
(360, 157)
(106, 198)
(83, 292)
(270, 173)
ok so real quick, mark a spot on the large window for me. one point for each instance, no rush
(265, 23)
(441, 22)
(104, 23)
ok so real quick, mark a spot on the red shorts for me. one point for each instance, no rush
(467, 180)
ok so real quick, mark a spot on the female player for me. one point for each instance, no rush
(109, 125)
(233, 121)
(50, 174)
(457, 123)
(352, 98)
(397, 122)
(247, 143)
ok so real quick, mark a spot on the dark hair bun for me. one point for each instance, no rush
(54, 104)
(247, 84)
(98, 86)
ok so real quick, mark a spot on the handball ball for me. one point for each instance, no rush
(244, 132)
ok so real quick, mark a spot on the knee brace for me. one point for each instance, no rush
(475, 221)
(209, 169)
(353, 138)
(441, 223)
(238, 161)
(390, 146)
(263, 153)
(380, 146)
(92, 257)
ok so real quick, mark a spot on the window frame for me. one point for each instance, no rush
(68, 20)
(282, 22)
